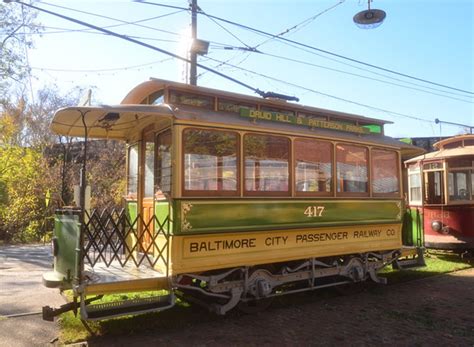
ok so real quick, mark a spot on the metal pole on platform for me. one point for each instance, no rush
(82, 201)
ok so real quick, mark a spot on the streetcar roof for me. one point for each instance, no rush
(139, 93)
(463, 140)
(110, 122)
(444, 154)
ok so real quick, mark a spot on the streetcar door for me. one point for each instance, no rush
(156, 165)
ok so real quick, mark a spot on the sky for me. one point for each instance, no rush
(428, 39)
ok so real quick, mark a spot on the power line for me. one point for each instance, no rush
(115, 19)
(66, 30)
(132, 67)
(143, 44)
(377, 73)
(366, 77)
(252, 49)
(324, 94)
(227, 30)
(99, 33)
(323, 51)
(263, 94)
(302, 24)
(244, 49)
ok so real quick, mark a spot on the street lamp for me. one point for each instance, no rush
(370, 18)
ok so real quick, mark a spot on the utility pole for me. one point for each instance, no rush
(193, 54)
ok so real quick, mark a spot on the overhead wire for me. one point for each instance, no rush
(306, 22)
(378, 73)
(302, 24)
(143, 44)
(217, 72)
(122, 22)
(226, 30)
(115, 19)
(370, 78)
(132, 67)
(248, 48)
(326, 94)
(261, 32)
(99, 33)
(64, 30)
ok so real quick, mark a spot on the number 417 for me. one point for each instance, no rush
(314, 211)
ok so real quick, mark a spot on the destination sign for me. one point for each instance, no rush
(303, 121)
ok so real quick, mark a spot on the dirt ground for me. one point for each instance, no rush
(433, 311)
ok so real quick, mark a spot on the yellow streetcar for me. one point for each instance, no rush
(231, 200)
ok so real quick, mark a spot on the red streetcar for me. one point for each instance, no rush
(441, 193)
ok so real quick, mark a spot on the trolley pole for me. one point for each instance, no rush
(193, 55)
(470, 127)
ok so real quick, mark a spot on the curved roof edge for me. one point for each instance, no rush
(141, 91)
(442, 143)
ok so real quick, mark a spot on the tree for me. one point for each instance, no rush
(16, 24)
(25, 174)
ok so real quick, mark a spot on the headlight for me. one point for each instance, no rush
(439, 227)
(436, 225)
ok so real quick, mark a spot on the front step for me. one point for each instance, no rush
(127, 307)
(417, 261)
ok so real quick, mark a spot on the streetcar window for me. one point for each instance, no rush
(453, 145)
(458, 185)
(149, 165)
(351, 167)
(266, 163)
(155, 99)
(210, 162)
(163, 164)
(414, 184)
(184, 98)
(132, 179)
(472, 185)
(385, 178)
(461, 163)
(313, 166)
(434, 187)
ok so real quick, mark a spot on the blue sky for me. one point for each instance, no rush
(431, 40)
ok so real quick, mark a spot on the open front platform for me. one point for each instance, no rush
(115, 278)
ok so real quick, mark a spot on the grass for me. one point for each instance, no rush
(437, 263)
(183, 315)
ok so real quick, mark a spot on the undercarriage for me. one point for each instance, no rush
(221, 291)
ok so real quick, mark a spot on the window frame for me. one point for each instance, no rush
(371, 176)
(128, 196)
(211, 193)
(453, 168)
(164, 132)
(309, 194)
(252, 193)
(415, 169)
